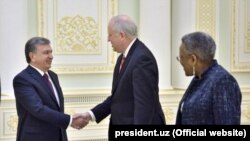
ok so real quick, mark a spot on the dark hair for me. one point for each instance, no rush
(31, 45)
(200, 43)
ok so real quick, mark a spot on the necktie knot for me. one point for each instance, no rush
(46, 76)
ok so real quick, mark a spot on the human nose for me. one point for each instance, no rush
(51, 55)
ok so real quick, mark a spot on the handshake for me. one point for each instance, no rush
(80, 120)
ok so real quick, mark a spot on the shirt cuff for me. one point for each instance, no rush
(92, 116)
(70, 122)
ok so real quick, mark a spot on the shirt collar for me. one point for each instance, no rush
(128, 48)
(40, 71)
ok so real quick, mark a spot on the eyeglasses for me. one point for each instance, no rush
(178, 58)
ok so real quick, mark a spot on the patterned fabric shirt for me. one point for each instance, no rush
(215, 98)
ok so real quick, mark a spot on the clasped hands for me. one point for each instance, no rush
(80, 120)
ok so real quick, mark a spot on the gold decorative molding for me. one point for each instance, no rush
(12, 122)
(240, 35)
(169, 115)
(40, 19)
(206, 16)
(247, 47)
(78, 38)
(114, 7)
(77, 35)
(246, 112)
(247, 7)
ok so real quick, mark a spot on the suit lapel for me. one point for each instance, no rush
(116, 71)
(117, 76)
(58, 89)
(129, 56)
(37, 76)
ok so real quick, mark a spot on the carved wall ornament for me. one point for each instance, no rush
(78, 35)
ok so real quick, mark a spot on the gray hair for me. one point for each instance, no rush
(31, 45)
(123, 23)
(200, 43)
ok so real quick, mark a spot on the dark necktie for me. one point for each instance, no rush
(46, 78)
(122, 62)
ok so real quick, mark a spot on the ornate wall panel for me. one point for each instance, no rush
(206, 16)
(78, 32)
(240, 35)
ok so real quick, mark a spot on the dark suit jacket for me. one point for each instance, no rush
(215, 99)
(40, 118)
(135, 98)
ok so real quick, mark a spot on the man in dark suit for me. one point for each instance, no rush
(39, 97)
(135, 93)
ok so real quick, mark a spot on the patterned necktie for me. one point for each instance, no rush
(46, 78)
(122, 62)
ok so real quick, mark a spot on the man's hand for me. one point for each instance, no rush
(80, 120)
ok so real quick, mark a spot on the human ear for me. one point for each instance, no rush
(32, 56)
(194, 59)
